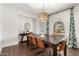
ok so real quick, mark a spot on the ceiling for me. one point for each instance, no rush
(36, 8)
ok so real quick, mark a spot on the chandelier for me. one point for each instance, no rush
(43, 16)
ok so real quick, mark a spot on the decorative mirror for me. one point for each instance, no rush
(59, 28)
(26, 28)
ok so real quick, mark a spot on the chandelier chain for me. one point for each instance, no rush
(43, 5)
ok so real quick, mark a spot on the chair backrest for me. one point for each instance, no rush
(31, 33)
(40, 43)
(29, 40)
(34, 40)
(61, 46)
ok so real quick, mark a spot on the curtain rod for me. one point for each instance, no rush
(61, 11)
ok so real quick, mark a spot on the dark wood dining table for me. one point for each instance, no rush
(54, 41)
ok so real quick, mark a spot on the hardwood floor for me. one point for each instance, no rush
(17, 50)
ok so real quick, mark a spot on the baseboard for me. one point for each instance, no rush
(6, 43)
(10, 44)
(0, 50)
(0, 47)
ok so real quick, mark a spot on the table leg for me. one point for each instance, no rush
(27, 40)
(22, 38)
(55, 50)
(65, 51)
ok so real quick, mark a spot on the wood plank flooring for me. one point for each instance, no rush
(17, 50)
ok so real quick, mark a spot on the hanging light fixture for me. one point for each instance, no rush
(43, 16)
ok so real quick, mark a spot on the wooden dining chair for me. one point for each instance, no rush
(29, 40)
(61, 47)
(32, 43)
(41, 45)
(36, 44)
(34, 40)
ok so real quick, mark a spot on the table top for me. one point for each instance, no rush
(23, 33)
(56, 40)
(51, 39)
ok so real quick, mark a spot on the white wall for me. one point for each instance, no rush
(10, 23)
(76, 17)
(0, 26)
(38, 27)
(10, 28)
(35, 26)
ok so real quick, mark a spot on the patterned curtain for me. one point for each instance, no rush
(72, 36)
(47, 29)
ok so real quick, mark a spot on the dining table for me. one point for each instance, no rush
(54, 41)
(22, 36)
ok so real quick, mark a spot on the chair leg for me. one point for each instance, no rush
(21, 45)
(59, 53)
(50, 51)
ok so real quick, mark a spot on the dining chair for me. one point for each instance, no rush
(41, 45)
(32, 42)
(29, 40)
(35, 45)
(61, 47)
